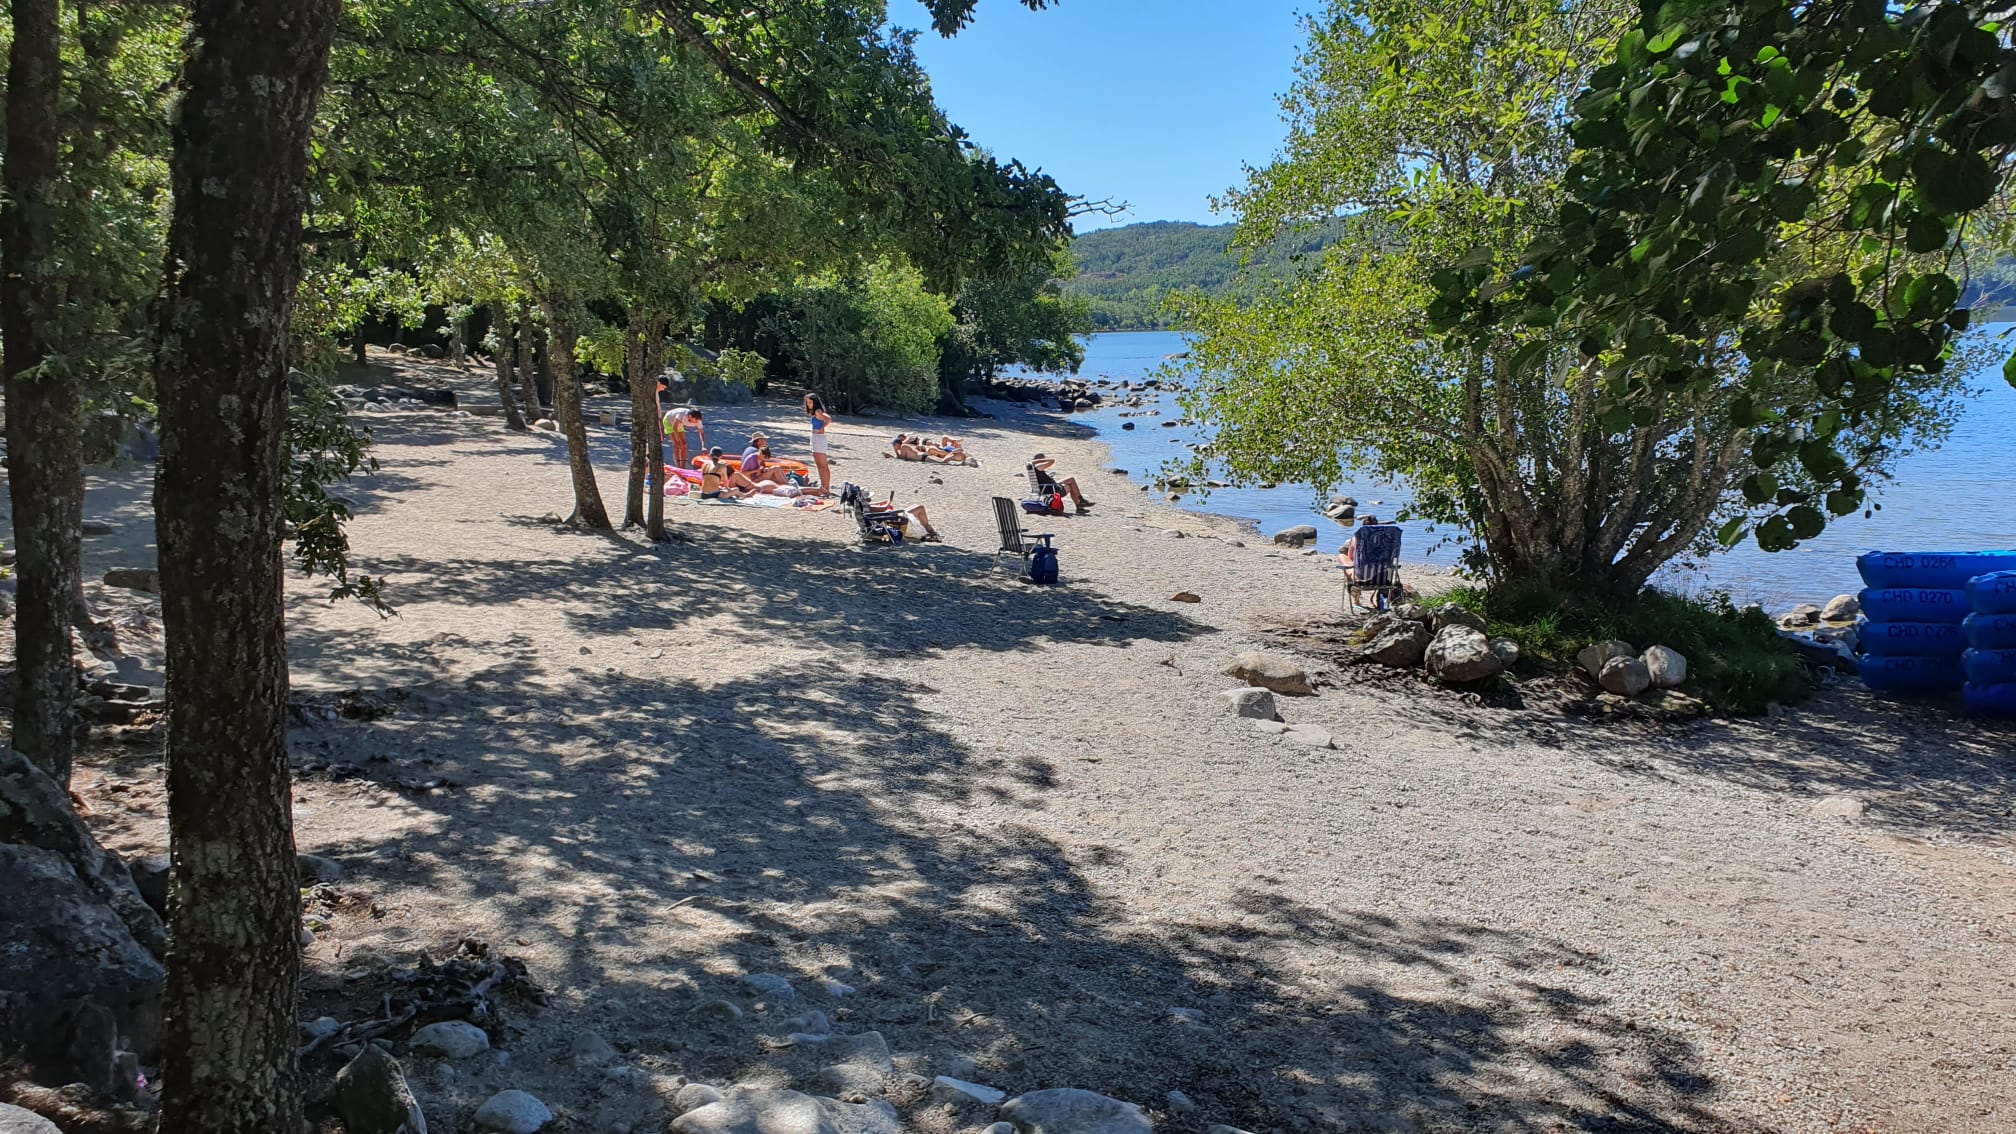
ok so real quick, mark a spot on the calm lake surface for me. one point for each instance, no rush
(1962, 495)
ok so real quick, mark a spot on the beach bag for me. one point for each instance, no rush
(1043, 565)
(1056, 503)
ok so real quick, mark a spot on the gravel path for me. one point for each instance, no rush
(1019, 826)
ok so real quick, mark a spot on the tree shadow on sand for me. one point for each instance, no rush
(670, 836)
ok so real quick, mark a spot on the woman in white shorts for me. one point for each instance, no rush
(815, 409)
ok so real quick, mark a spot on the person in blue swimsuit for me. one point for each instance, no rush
(815, 410)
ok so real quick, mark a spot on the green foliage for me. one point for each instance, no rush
(742, 367)
(1766, 191)
(1021, 318)
(1736, 659)
(868, 338)
(1549, 442)
(325, 450)
(1130, 275)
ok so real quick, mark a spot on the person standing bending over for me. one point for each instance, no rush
(815, 410)
(677, 421)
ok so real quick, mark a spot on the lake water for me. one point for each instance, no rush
(1961, 495)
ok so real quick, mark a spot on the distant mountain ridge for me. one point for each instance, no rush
(1126, 273)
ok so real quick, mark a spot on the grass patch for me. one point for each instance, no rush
(1736, 660)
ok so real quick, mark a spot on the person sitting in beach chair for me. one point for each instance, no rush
(1370, 560)
(912, 522)
(1044, 484)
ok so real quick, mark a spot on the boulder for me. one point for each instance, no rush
(1593, 658)
(693, 1096)
(150, 877)
(1068, 1110)
(513, 1112)
(372, 1096)
(1248, 701)
(1507, 651)
(134, 579)
(1269, 671)
(1310, 735)
(1296, 536)
(450, 1039)
(772, 987)
(1462, 654)
(1185, 596)
(1414, 612)
(1668, 669)
(857, 1064)
(759, 1112)
(1450, 614)
(80, 949)
(1841, 608)
(1626, 677)
(14, 1120)
(1805, 614)
(1400, 643)
(959, 1092)
(314, 868)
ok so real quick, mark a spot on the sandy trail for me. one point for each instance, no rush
(1017, 823)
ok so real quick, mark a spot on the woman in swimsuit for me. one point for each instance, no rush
(718, 480)
(815, 410)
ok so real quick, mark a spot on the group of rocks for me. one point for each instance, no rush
(849, 1081)
(1453, 643)
(1265, 675)
(1623, 670)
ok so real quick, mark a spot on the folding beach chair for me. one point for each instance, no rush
(875, 527)
(1014, 541)
(1375, 567)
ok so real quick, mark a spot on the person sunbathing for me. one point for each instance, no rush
(909, 448)
(1039, 468)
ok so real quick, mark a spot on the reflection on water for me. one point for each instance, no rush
(1962, 495)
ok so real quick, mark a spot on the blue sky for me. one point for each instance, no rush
(1158, 103)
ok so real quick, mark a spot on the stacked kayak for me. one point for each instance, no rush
(1916, 610)
(1989, 663)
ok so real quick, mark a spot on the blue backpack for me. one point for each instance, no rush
(1043, 565)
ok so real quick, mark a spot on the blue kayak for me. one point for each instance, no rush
(1989, 667)
(1990, 700)
(1994, 593)
(1991, 631)
(1938, 570)
(1915, 604)
(1911, 639)
(1912, 674)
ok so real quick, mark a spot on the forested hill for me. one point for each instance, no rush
(1126, 273)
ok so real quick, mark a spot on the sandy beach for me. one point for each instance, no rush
(1014, 831)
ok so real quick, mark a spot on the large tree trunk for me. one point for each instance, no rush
(45, 472)
(528, 380)
(250, 85)
(588, 509)
(643, 419)
(654, 364)
(506, 392)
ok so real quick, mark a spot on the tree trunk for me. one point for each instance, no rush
(45, 472)
(250, 84)
(542, 367)
(506, 393)
(654, 364)
(357, 345)
(643, 420)
(458, 351)
(588, 509)
(528, 384)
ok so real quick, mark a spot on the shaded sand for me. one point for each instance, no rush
(1018, 824)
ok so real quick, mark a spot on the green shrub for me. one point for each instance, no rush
(1736, 660)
